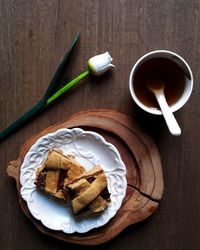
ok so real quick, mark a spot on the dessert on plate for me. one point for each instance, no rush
(63, 177)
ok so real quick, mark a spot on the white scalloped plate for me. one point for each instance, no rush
(89, 148)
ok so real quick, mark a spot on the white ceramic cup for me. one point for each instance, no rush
(180, 62)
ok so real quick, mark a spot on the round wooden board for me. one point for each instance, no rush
(144, 172)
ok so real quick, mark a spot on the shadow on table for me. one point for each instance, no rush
(154, 125)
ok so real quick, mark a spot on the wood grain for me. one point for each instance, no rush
(144, 177)
(33, 38)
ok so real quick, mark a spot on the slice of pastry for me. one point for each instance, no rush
(88, 191)
(57, 169)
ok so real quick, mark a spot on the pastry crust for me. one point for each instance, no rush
(87, 196)
(57, 160)
(57, 168)
(51, 181)
(85, 191)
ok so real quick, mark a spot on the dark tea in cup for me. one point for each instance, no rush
(169, 68)
(166, 71)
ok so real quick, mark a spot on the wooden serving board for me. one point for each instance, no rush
(144, 172)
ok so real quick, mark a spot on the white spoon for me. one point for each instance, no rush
(157, 88)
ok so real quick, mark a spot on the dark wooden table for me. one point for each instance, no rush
(33, 38)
